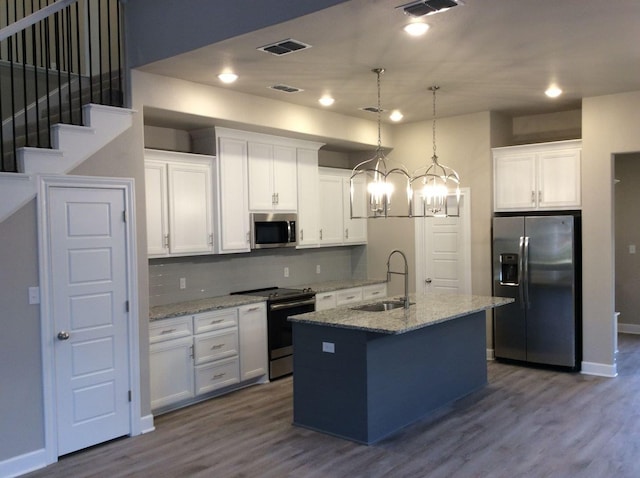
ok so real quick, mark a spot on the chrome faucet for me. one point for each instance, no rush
(405, 299)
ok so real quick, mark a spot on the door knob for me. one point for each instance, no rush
(428, 281)
(62, 335)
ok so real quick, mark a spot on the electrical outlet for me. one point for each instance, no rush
(632, 249)
(329, 347)
(34, 295)
(183, 282)
(318, 269)
(286, 272)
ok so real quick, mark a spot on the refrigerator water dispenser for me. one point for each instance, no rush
(509, 269)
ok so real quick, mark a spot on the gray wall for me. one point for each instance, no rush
(627, 229)
(21, 407)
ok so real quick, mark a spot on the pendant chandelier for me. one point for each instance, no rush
(437, 185)
(384, 178)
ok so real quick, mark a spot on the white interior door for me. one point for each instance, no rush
(443, 253)
(88, 274)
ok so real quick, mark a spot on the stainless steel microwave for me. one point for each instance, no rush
(273, 230)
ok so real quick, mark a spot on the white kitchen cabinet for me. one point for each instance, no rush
(348, 296)
(253, 341)
(231, 198)
(170, 361)
(272, 177)
(308, 198)
(326, 300)
(355, 230)
(332, 299)
(336, 225)
(179, 203)
(198, 354)
(374, 291)
(542, 176)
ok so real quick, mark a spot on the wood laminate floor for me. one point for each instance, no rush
(526, 423)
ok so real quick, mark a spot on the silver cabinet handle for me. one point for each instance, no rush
(167, 331)
(211, 239)
(346, 233)
(216, 321)
(320, 234)
(253, 309)
(217, 376)
(248, 237)
(428, 280)
(217, 346)
(166, 241)
(539, 196)
(302, 234)
(63, 335)
(533, 197)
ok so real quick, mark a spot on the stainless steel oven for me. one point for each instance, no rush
(281, 303)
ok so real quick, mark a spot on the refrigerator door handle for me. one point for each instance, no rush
(521, 284)
(525, 272)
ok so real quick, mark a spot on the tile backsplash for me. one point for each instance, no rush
(215, 275)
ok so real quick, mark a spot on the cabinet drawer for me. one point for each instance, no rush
(167, 329)
(374, 291)
(325, 300)
(215, 320)
(349, 296)
(215, 345)
(217, 374)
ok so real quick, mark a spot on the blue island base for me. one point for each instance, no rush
(364, 386)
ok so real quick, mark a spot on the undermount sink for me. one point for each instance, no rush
(381, 306)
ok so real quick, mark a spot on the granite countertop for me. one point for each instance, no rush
(426, 310)
(201, 305)
(330, 286)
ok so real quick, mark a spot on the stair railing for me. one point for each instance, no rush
(55, 57)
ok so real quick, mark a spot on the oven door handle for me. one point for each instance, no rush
(289, 305)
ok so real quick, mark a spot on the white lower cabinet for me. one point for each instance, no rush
(333, 299)
(253, 341)
(198, 354)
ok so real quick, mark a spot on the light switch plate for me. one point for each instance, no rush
(286, 272)
(183, 282)
(632, 248)
(329, 347)
(34, 295)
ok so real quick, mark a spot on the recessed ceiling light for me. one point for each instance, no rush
(396, 115)
(416, 29)
(326, 100)
(227, 77)
(553, 91)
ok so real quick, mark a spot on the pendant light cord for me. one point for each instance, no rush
(434, 89)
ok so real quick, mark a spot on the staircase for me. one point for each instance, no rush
(61, 90)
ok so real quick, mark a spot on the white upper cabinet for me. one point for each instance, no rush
(308, 198)
(179, 203)
(336, 225)
(272, 177)
(542, 176)
(231, 197)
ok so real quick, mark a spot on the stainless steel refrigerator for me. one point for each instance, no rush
(536, 261)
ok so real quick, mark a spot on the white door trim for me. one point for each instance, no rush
(420, 245)
(48, 362)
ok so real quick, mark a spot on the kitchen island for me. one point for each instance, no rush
(362, 375)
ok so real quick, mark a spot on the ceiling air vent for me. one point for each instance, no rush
(427, 7)
(286, 88)
(284, 47)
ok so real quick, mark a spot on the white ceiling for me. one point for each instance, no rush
(485, 55)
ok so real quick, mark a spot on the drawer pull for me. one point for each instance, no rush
(167, 331)
(253, 309)
(216, 321)
(351, 297)
(218, 375)
(375, 293)
(217, 346)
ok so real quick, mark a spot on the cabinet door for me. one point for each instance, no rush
(285, 173)
(155, 173)
(190, 206)
(307, 197)
(331, 210)
(171, 372)
(252, 322)
(515, 182)
(559, 179)
(355, 230)
(233, 213)
(326, 301)
(261, 190)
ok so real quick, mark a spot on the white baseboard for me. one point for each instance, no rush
(146, 424)
(599, 369)
(628, 328)
(491, 354)
(23, 464)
